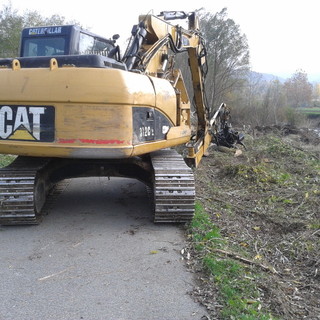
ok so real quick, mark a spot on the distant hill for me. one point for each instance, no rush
(270, 77)
(314, 77)
(266, 76)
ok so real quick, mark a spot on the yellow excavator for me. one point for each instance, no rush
(71, 106)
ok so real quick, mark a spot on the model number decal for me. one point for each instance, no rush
(146, 131)
(32, 123)
(149, 125)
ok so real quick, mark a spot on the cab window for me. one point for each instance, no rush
(86, 44)
(91, 45)
(44, 46)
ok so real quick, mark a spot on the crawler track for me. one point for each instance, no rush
(174, 188)
(22, 191)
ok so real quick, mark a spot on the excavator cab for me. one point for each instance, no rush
(63, 40)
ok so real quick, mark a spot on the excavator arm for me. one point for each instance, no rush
(153, 49)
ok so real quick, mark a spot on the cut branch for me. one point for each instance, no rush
(246, 261)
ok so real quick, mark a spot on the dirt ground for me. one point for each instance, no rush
(266, 202)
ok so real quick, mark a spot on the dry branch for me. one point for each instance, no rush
(245, 260)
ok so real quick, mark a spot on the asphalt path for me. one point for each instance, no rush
(96, 255)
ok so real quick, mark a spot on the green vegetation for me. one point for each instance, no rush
(235, 282)
(12, 22)
(6, 159)
(257, 225)
(310, 112)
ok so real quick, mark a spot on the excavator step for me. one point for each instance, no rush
(173, 189)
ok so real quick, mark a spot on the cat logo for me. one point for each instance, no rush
(31, 123)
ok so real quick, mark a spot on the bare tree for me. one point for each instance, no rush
(298, 90)
(316, 95)
(228, 55)
(259, 102)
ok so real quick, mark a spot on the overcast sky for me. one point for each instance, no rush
(283, 35)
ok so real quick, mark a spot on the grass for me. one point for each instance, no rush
(312, 112)
(203, 231)
(6, 159)
(235, 282)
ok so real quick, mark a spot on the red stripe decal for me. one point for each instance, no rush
(102, 141)
(67, 141)
(91, 141)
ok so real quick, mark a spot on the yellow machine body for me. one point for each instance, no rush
(92, 110)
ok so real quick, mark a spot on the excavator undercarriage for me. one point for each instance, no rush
(25, 184)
